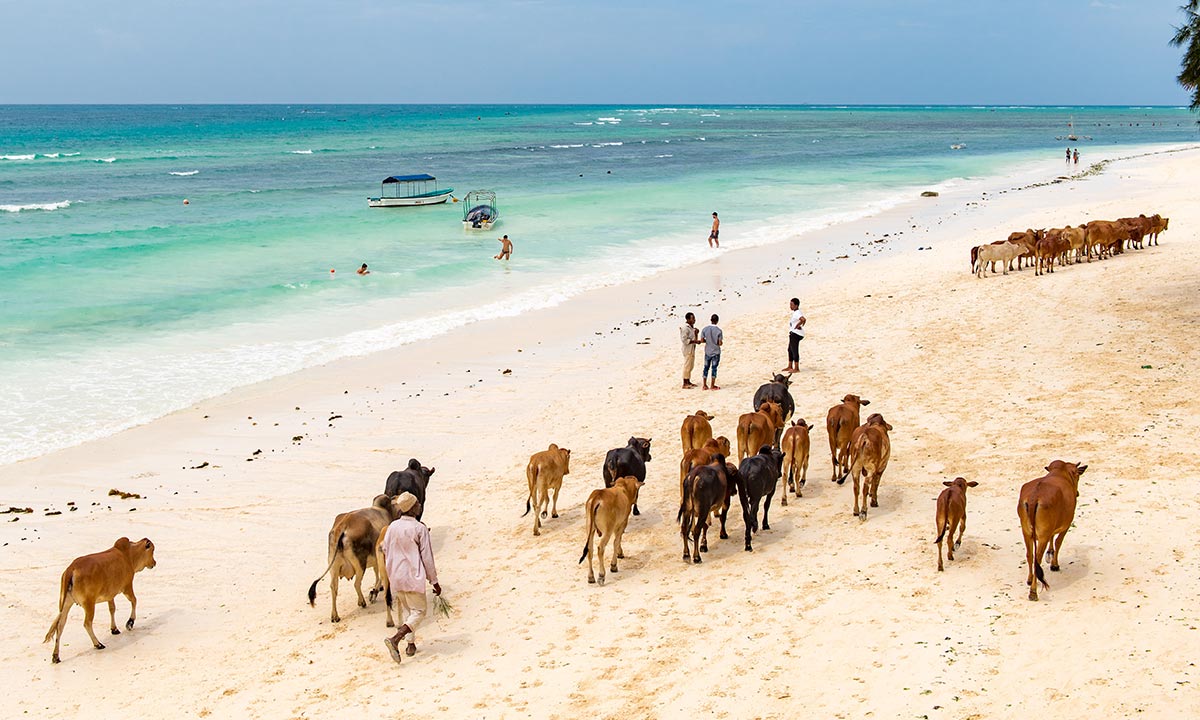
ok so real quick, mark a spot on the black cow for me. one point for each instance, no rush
(413, 479)
(629, 460)
(758, 476)
(705, 489)
(776, 391)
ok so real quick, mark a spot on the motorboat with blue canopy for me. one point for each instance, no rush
(409, 190)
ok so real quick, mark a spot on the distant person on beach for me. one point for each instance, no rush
(408, 557)
(689, 336)
(1076, 156)
(715, 233)
(1068, 155)
(505, 249)
(795, 335)
(363, 270)
(713, 340)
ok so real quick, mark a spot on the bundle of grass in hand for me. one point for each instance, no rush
(442, 606)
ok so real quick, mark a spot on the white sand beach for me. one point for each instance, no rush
(829, 617)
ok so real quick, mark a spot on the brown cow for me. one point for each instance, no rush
(352, 550)
(702, 456)
(706, 492)
(607, 514)
(758, 428)
(951, 515)
(695, 430)
(1052, 246)
(1105, 237)
(840, 423)
(795, 458)
(97, 578)
(545, 472)
(870, 451)
(1158, 224)
(1046, 509)
(1029, 239)
(1136, 229)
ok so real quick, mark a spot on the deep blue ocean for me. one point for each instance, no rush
(120, 303)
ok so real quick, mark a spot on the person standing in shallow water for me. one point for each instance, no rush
(713, 340)
(715, 234)
(408, 560)
(689, 337)
(795, 335)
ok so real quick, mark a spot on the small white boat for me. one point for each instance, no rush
(480, 211)
(409, 190)
(958, 146)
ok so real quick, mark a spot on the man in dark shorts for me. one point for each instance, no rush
(713, 236)
(795, 335)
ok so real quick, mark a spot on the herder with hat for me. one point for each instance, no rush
(408, 555)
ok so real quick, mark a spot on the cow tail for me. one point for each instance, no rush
(64, 587)
(591, 528)
(312, 589)
(531, 475)
(942, 528)
(1037, 556)
(974, 257)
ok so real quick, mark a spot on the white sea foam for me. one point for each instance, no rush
(105, 160)
(36, 206)
(581, 123)
(302, 152)
(610, 119)
(50, 155)
(70, 154)
(186, 174)
(562, 147)
(607, 144)
(17, 157)
(664, 156)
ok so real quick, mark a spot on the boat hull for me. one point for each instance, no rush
(482, 226)
(387, 202)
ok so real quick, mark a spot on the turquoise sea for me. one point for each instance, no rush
(120, 303)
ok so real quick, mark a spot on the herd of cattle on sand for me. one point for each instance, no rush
(769, 450)
(1067, 245)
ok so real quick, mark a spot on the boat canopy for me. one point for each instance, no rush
(408, 178)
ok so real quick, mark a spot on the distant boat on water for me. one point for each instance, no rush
(408, 191)
(480, 211)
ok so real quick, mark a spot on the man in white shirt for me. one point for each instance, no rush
(795, 335)
(408, 560)
(689, 337)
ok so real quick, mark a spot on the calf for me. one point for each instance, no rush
(758, 428)
(695, 430)
(840, 423)
(795, 458)
(1046, 508)
(870, 450)
(97, 578)
(607, 515)
(952, 514)
(758, 476)
(705, 492)
(1004, 253)
(545, 472)
(1052, 246)
(414, 479)
(352, 551)
(629, 460)
(702, 456)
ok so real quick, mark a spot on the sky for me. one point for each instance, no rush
(602, 51)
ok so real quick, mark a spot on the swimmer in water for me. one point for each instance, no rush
(505, 249)
(363, 270)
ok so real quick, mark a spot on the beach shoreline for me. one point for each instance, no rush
(888, 319)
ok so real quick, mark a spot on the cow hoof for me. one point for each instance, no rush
(600, 581)
(620, 556)
(784, 502)
(940, 568)
(54, 659)
(115, 631)
(362, 603)
(703, 548)
(1054, 568)
(613, 569)
(957, 545)
(687, 557)
(537, 533)
(543, 514)
(1033, 596)
(749, 549)
(99, 646)
(696, 559)
(129, 624)
(636, 511)
(724, 536)
(553, 515)
(591, 580)
(391, 623)
(335, 619)
(874, 503)
(766, 526)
